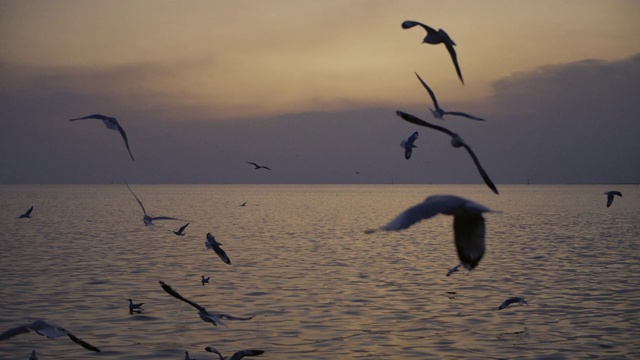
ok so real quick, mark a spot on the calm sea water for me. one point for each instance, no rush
(320, 288)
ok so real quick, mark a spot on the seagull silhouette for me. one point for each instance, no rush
(148, 220)
(468, 224)
(610, 196)
(456, 142)
(453, 270)
(439, 112)
(112, 124)
(437, 37)
(212, 243)
(180, 231)
(512, 300)
(258, 166)
(408, 145)
(236, 356)
(205, 280)
(134, 307)
(27, 214)
(43, 328)
(244, 203)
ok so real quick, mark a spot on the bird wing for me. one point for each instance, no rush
(183, 227)
(468, 234)
(124, 137)
(231, 317)
(94, 116)
(138, 200)
(431, 93)
(254, 164)
(609, 199)
(413, 137)
(214, 350)
(412, 119)
(454, 57)
(221, 254)
(266, 167)
(175, 294)
(14, 331)
(457, 113)
(82, 343)
(163, 218)
(407, 152)
(483, 173)
(242, 353)
(407, 24)
(414, 214)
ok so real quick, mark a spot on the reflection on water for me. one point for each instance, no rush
(320, 288)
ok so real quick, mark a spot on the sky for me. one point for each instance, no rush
(310, 89)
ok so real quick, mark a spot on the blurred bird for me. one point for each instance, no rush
(237, 356)
(611, 195)
(27, 214)
(408, 145)
(439, 112)
(204, 280)
(43, 328)
(112, 124)
(180, 231)
(258, 166)
(512, 300)
(453, 269)
(212, 243)
(244, 203)
(148, 220)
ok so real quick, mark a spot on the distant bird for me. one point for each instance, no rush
(456, 142)
(27, 214)
(453, 269)
(237, 356)
(215, 319)
(437, 37)
(439, 112)
(244, 204)
(408, 145)
(112, 124)
(212, 243)
(204, 280)
(148, 220)
(180, 231)
(43, 328)
(512, 300)
(258, 166)
(133, 307)
(610, 196)
(33, 355)
(468, 224)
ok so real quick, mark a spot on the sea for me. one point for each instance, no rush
(316, 283)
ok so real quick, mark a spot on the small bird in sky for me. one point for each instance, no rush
(148, 220)
(112, 124)
(204, 280)
(236, 356)
(439, 112)
(212, 243)
(610, 196)
(468, 224)
(180, 231)
(453, 270)
(408, 145)
(43, 328)
(437, 37)
(456, 142)
(512, 300)
(257, 167)
(27, 214)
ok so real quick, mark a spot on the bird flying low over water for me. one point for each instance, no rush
(468, 224)
(212, 243)
(112, 124)
(180, 231)
(408, 145)
(258, 166)
(512, 300)
(27, 214)
(453, 270)
(456, 142)
(437, 37)
(134, 307)
(237, 356)
(148, 220)
(610, 196)
(204, 280)
(439, 112)
(43, 328)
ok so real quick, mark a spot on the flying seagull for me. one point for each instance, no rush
(112, 124)
(27, 214)
(512, 300)
(408, 145)
(212, 243)
(148, 220)
(33, 356)
(180, 231)
(258, 166)
(456, 142)
(439, 112)
(610, 196)
(237, 356)
(437, 37)
(205, 280)
(453, 269)
(468, 224)
(134, 307)
(43, 328)
(215, 319)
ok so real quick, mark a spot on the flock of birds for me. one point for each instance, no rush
(468, 221)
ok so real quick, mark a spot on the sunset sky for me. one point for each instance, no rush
(309, 88)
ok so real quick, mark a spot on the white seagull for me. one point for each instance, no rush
(468, 224)
(180, 231)
(212, 243)
(258, 166)
(215, 319)
(610, 196)
(456, 142)
(112, 124)
(437, 37)
(439, 112)
(27, 214)
(512, 300)
(148, 220)
(204, 280)
(43, 328)
(408, 145)
(237, 356)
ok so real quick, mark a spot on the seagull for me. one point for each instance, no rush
(468, 224)
(244, 203)
(205, 280)
(453, 269)
(258, 166)
(215, 319)
(456, 142)
(439, 112)
(180, 231)
(33, 355)
(212, 243)
(133, 306)
(408, 145)
(43, 328)
(112, 124)
(437, 37)
(27, 214)
(148, 220)
(512, 300)
(237, 356)
(610, 196)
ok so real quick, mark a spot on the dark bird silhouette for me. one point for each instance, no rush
(112, 124)
(237, 356)
(204, 280)
(408, 145)
(212, 243)
(180, 231)
(456, 142)
(148, 220)
(27, 214)
(439, 112)
(258, 166)
(512, 300)
(244, 204)
(437, 37)
(453, 270)
(611, 195)
(134, 307)
(43, 328)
